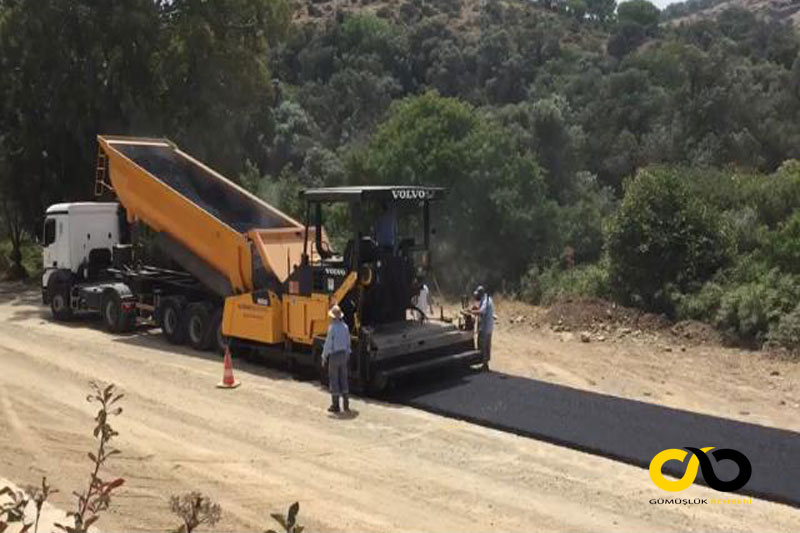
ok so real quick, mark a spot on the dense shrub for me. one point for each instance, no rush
(580, 222)
(773, 197)
(557, 283)
(700, 305)
(747, 311)
(784, 245)
(662, 239)
(786, 332)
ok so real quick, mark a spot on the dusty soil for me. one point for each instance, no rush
(644, 357)
(258, 448)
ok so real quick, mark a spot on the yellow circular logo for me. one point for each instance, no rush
(674, 454)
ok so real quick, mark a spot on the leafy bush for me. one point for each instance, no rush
(743, 312)
(580, 223)
(786, 332)
(662, 239)
(364, 34)
(773, 197)
(784, 245)
(747, 231)
(747, 311)
(700, 305)
(556, 283)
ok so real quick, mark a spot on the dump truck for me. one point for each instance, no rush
(243, 275)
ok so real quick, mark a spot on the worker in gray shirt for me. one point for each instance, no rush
(337, 354)
(484, 310)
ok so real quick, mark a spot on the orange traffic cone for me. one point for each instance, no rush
(228, 381)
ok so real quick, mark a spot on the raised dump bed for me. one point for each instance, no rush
(202, 216)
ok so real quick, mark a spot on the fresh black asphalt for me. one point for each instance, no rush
(626, 430)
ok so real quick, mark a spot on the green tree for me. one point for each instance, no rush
(626, 38)
(601, 10)
(216, 95)
(71, 69)
(662, 239)
(496, 218)
(577, 8)
(640, 12)
(553, 144)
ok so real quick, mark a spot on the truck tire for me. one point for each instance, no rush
(198, 325)
(218, 342)
(173, 320)
(115, 318)
(59, 288)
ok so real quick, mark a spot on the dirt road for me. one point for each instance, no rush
(260, 447)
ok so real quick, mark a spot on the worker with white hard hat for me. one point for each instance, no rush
(336, 352)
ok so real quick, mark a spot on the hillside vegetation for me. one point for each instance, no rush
(693, 10)
(589, 148)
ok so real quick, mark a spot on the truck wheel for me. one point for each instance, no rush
(173, 322)
(59, 301)
(217, 341)
(198, 326)
(115, 318)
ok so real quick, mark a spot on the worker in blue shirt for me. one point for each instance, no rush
(386, 227)
(484, 310)
(336, 352)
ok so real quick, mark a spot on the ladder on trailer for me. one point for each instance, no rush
(101, 183)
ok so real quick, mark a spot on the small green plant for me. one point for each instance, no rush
(13, 511)
(195, 509)
(97, 497)
(39, 495)
(289, 521)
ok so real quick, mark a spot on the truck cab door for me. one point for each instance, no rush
(55, 242)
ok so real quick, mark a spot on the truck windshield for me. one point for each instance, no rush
(49, 231)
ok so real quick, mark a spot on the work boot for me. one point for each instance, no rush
(345, 403)
(334, 408)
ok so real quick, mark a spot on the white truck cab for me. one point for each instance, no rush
(72, 231)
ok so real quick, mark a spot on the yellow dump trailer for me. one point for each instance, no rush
(176, 195)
